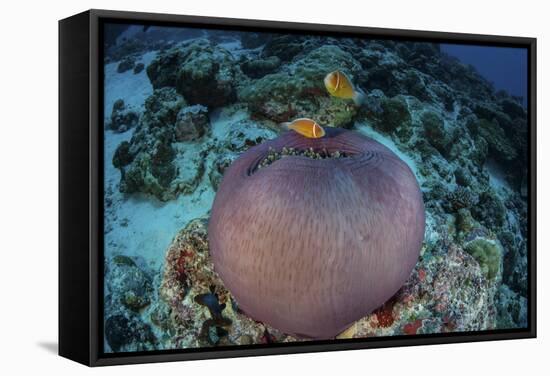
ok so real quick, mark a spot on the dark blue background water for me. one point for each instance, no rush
(505, 67)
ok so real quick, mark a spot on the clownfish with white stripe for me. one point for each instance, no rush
(338, 85)
(306, 127)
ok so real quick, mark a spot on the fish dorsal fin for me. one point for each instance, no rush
(295, 121)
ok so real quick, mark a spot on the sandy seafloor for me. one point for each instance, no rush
(143, 227)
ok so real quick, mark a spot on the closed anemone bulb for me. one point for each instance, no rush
(318, 237)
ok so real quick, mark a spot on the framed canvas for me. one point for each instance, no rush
(239, 187)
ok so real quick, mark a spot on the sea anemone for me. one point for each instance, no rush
(314, 241)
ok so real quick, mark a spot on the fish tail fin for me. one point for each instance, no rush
(359, 97)
(285, 125)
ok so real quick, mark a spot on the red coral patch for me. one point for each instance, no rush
(384, 315)
(412, 327)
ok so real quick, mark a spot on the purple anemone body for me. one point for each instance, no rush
(309, 246)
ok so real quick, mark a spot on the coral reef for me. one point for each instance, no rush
(261, 67)
(394, 114)
(129, 284)
(148, 162)
(138, 68)
(129, 291)
(191, 123)
(201, 71)
(488, 255)
(123, 117)
(126, 332)
(126, 64)
(213, 96)
(297, 90)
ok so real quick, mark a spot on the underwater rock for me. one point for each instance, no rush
(500, 148)
(515, 264)
(139, 67)
(467, 228)
(490, 210)
(218, 168)
(126, 64)
(242, 135)
(286, 47)
(191, 123)
(149, 164)
(513, 109)
(488, 254)
(435, 131)
(152, 162)
(123, 117)
(506, 136)
(126, 333)
(128, 284)
(413, 84)
(271, 276)
(395, 113)
(260, 67)
(297, 90)
(245, 134)
(116, 49)
(373, 103)
(513, 309)
(250, 40)
(204, 73)
(461, 197)
(162, 107)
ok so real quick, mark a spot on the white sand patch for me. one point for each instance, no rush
(143, 227)
(130, 87)
(367, 130)
(234, 47)
(222, 120)
(496, 177)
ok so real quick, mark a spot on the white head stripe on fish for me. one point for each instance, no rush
(314, 133)
(337, 80)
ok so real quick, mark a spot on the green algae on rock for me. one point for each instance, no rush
(149, 161)
(201, 71)
(123, 117)
(297, 90)
(488, 254)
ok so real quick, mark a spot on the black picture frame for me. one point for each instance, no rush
(81, 194)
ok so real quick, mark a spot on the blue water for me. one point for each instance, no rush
(505, 67)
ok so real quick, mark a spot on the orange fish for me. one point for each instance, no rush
(306, 127)
(338, 85)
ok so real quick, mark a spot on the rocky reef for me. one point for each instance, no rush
(128, 292)
(215, 96)
(199, 70)
(123, 117)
